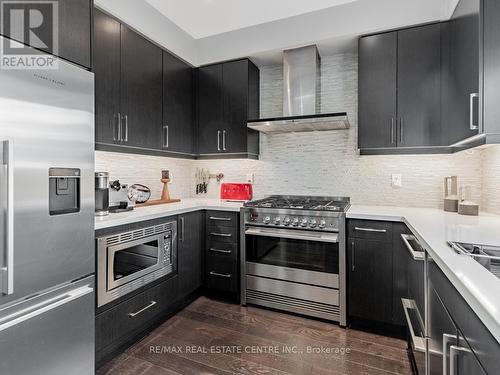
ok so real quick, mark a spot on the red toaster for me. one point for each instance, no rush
(236, 192)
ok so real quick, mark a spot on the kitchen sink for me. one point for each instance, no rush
(486, 255)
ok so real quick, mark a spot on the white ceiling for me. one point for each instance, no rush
(203, 18)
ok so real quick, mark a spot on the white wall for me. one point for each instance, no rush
(148, 21)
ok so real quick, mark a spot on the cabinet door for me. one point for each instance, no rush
(141, 91)
(370, 280)
(377, 91)
(419, 86)
(463, 70)
(400, 272)
(178, 130)
(235, 90)
(190, 249)
(107, 77)
(210, 109)
(74, 28)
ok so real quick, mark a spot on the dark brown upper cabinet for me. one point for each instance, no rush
(400, 91)
(73, 29)
(228, 95)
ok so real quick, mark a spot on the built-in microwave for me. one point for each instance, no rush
(126, 261)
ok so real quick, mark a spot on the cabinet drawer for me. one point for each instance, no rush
(222, 219)
(131, 316)
(370, 229)
(222, 249)
(221, 273)
(222, 234)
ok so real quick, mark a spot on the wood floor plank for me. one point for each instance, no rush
(207, 324)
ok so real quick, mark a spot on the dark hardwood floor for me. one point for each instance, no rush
(256, 341)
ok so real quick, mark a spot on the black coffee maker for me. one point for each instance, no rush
(101, 193)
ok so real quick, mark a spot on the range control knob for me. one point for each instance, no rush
(286, 221)
(322, 223)
(267, 220)
(295, 222)
(313, 223)
(277, 220)
(303, 222)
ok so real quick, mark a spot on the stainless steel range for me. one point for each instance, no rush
(293, 255)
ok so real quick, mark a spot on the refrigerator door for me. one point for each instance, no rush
(52, 333)
(46, 134)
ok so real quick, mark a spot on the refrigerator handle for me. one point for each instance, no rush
(42, 307)
(7, 269)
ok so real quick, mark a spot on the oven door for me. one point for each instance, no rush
(132, 260)
(307, 257)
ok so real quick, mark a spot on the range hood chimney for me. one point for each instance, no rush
(301, 97)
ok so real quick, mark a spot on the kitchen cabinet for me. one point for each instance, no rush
(107, 49)
(141, 90)
(178, 133)
(463, 72)
(400, 91)
(459, 343)
(400, 273)
(74, 29)
(122, 324)
(190, 252)
(222, 253)
(377, 91)
(228, 95)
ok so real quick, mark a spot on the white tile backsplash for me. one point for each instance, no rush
(323, 163)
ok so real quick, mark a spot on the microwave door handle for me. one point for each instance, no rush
(7, 269)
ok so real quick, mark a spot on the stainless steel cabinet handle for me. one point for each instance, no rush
(418, 342)
(353, 268)
(416, 255)
(7, 269)
(181, 237)
(370, 230)
(224, 140)
(117, 131)
(166, 136)
(42, 307)
(447, 338)
(471, 110)
(124, 138)
(401, 130)
(221, 234)
(220, 251)
(220, 218)
(392, 130)
(151, 304)
(226, 275)
(454, 352)
(218, 140)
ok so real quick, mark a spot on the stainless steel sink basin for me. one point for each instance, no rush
(486, 255)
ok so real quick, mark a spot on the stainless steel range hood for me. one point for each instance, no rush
(301, 97)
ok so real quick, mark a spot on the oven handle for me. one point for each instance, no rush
(293, 234)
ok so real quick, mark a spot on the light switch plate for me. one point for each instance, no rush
(397, 180)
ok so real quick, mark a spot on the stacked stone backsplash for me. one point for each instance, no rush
(324, 163)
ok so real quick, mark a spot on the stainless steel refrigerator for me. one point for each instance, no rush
(47, 221)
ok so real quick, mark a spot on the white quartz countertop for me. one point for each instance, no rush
(434, 228)
(163, 210)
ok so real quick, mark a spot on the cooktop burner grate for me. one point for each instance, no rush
(339, 204)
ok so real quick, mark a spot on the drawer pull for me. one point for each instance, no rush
(370, 230)
(220, 218)
(221, 234)
(221, 251)
(226, 275)
(133, 315)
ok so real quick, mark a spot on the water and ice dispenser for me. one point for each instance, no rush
(64, 190)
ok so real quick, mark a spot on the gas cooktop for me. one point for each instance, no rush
(335, 204)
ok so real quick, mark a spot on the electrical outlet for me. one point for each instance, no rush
(250, 178)
(397, 180)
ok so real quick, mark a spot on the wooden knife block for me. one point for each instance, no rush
(165, 196)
